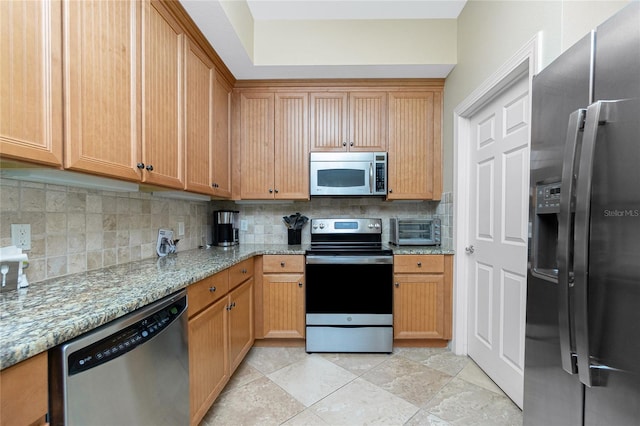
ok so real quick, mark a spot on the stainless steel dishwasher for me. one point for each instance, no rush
(131, 371)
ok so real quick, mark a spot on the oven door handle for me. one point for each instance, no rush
(349, 260)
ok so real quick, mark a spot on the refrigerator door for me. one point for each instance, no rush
(608, 332)
(551, 395)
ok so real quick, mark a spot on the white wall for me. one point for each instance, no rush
(490, 32)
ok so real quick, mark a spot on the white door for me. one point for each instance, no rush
(497, 247)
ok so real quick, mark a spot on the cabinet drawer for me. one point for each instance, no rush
(418, 263)
(240, 273)
(283, 263)
(204, 292)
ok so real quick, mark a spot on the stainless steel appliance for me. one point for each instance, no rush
(348, 173)
(349, 293)
(131, 371)
(225, 227)
(414, 232)
(582, 342)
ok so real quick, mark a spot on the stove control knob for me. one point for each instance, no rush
(321, 225)
(376, 225)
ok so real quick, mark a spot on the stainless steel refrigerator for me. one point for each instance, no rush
(582, 345)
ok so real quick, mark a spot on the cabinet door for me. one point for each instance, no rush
(257, 145)
(163, 97)
(221, 153)
(283, 309)
(419, 307)
(102, 125)
(367, 121)
(199, 114)
(208, 357)
(31, 81)
(291, 146)
(240, 304)
(415, 146)
(329, 115)
(25, 392)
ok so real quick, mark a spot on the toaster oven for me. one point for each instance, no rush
(414, 232)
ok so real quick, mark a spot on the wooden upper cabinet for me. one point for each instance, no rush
(291, 146)
(257, 140)
(31, 81)
(199, 120)
(415, 145)
(274, 145)
(349, 121)
(221, 152)
(101, 45)
(163, 96)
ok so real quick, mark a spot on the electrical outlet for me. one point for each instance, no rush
(180, 229)
(244, 225)
(21, 236)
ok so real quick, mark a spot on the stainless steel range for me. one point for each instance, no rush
(349, 291)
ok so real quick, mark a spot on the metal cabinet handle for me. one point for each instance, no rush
(270, 191)
(469, 249)
(244, 271)
(212, 289)
(397, 285)
(282, 264)
(300, 285)
(149, 167)
(276, 191)
(140, 165)
(390, 191)
(351, 143)
(419, 264)
(344, 143)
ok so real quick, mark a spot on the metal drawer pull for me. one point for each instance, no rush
(397, 285)
(300, 285)
(212, 289)
(419, 264)
(282, 264)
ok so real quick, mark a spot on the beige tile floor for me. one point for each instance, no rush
(412, 386)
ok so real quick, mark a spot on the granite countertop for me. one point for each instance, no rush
(47, 313)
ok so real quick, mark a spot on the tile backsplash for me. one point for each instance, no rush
(75, 230)
(265, 224)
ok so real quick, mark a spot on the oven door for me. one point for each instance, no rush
(349, 286)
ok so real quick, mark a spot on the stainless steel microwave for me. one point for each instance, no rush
(414, 232)
(348, 173)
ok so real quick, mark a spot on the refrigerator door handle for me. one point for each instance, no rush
(565, 237)
(596, 117)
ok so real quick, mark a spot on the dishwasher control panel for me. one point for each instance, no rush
(126, 339)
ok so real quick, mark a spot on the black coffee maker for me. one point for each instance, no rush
(225, 227)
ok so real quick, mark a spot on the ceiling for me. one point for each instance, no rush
(212, 19)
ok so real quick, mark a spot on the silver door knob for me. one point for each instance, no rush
(469, 249)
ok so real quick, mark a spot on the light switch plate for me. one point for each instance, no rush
(180, 229)
(244, 225)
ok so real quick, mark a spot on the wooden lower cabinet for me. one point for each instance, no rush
(24, 392)
(240, 323)
(422, 298)
(220, 335)
(208, 357)
(283, 296)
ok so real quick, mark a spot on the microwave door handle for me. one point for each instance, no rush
(565, 238)
(371, 178)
